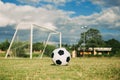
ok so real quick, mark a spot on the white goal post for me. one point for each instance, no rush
(52, 31)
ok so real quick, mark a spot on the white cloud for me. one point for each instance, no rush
(106, 3)
(117, 24)
(50, 26)
(56, 1)
(48, 15)
(99, 2)
(27, 25)
(24, 26)
(107, 19)
(29, 1)
(4, 20)
(35, 2)
(108, 15)
(12, 14)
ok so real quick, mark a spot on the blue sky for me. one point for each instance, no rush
(84, 8)
(67, 16)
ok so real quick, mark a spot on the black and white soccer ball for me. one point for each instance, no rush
(61, 56)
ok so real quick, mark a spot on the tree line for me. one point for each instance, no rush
(21, 49)
(91, 38)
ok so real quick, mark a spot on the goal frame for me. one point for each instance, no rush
(52, 31)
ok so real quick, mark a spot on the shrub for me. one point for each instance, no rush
(117, 53)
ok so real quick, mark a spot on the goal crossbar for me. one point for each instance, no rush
(31, 39)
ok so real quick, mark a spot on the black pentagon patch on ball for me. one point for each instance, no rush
(58, 62)
(68, 59)
(52, 55)
(60, 52)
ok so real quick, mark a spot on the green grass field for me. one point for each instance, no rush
(43, 69)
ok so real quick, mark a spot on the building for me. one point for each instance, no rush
(96, 51)
(2, 51)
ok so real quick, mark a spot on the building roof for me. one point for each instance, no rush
(101, 49)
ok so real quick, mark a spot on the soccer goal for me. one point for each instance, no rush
(28, 33)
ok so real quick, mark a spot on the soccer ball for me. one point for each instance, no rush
(60, 56)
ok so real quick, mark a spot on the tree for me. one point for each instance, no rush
(49, 50)
(38, 46)
(114, 44)
(19, 49)
(92, 38)
(4, 45)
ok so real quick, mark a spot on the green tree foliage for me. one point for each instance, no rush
(93, 38)
(38, 46)
(19, 49)
(49, 50)
(4, 45)
(115, 46)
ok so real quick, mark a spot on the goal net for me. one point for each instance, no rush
(31, 40)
